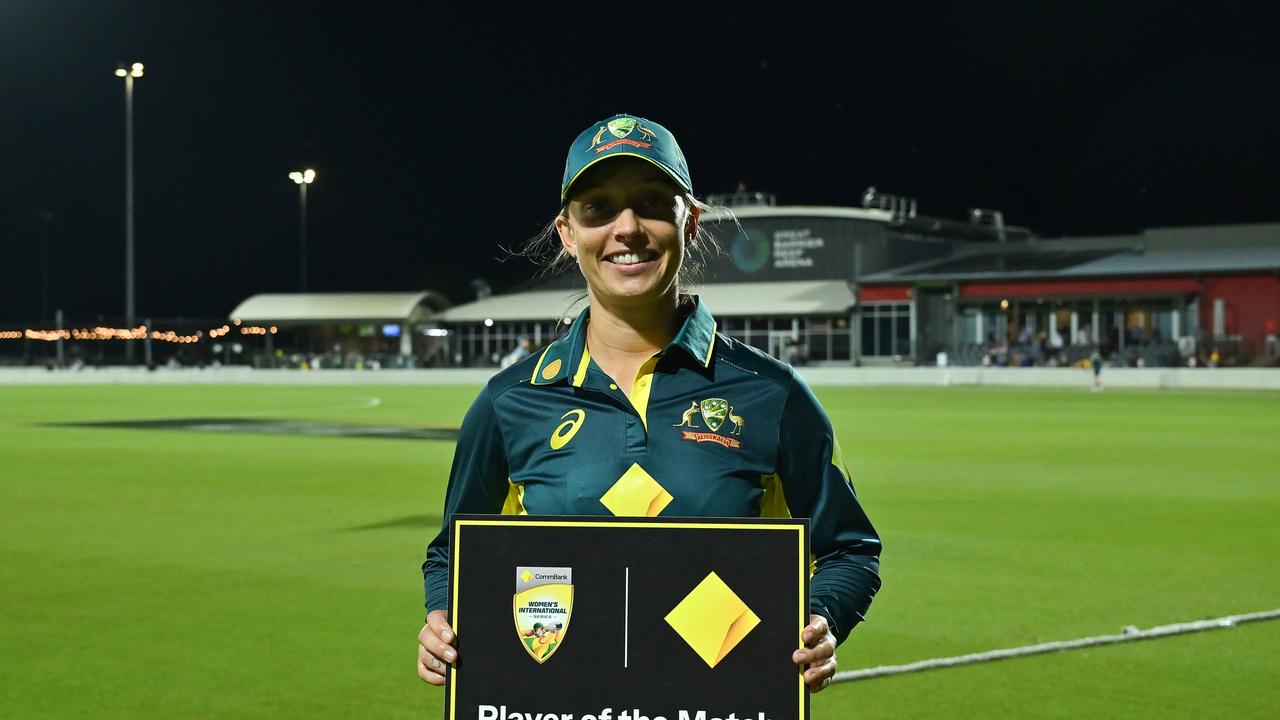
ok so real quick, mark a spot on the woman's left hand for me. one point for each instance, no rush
(819, 653)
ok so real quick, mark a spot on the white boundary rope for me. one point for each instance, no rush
(1129, 634)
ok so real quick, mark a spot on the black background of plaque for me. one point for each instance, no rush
(664, 675)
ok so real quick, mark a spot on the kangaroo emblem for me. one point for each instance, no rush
(686, 420)
(738, 422)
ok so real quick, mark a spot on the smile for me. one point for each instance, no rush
(632, 258)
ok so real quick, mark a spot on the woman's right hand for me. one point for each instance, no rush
(435, 648)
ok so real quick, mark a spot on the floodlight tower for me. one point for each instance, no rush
(303, 178)
(134, 71)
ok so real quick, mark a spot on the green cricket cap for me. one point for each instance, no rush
(625, 136)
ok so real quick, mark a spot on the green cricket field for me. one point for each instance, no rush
(253, 551)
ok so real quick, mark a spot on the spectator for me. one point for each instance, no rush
(520, 352)
(1187, 347)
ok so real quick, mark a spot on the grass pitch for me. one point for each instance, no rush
(156, 573)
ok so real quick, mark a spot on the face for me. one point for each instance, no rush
(620, 224)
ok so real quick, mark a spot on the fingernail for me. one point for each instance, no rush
(446, 636)
(450, 655)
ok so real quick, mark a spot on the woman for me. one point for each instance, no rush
(554, 433)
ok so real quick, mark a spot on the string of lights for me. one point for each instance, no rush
(138, 333)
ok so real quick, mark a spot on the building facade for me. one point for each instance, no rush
(883, 285)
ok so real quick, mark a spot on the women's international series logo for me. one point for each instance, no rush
(541, 606)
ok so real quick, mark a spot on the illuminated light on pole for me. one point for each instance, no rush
(303, 178)
(134, 71)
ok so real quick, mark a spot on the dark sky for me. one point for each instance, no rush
(439, 129)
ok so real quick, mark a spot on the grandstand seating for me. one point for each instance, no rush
(1151, 354)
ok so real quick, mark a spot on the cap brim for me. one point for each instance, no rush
(564, 193)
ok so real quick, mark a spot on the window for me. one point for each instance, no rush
(886, 329)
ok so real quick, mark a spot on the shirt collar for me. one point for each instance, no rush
(697, 334)
(566, 358)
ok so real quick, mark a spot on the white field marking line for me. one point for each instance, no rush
(626, 616)
(1129, 634)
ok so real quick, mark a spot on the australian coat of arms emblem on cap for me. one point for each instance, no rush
(621, 128)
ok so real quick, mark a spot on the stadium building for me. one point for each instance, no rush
(880, 284)
(341, 329)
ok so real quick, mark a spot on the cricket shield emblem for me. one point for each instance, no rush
(714, 411)
(542, 605)
(621, 127)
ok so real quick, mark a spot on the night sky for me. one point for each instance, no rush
(438, 130)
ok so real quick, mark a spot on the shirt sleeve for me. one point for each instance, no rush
(477, 484)
(844, 546)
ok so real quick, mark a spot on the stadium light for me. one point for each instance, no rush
(134, 71)
(303, 178)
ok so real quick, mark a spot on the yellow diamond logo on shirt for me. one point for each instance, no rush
(712, 619)
(526, 576)
(636, 494)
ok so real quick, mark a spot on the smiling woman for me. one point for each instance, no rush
(662, 185)
(643, 409)
(622, 228)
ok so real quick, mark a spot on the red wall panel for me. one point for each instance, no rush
(1251, 304)
(900, 293)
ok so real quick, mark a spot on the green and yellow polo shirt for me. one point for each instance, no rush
(712, 428)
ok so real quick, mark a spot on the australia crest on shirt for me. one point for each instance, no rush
(715, 414)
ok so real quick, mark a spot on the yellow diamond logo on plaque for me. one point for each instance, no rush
(636, 494)
(712, 619)
(541, 606)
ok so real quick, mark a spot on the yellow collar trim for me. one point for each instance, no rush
(581, 374)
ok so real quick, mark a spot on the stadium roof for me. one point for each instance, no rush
(811, 297)
(1174, 238)
(311, 308)
(746, 212)
(1084, 263)
(1182, 261)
